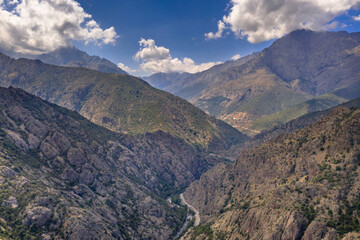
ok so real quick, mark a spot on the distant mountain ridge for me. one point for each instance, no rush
(73, 57)
(296, 68)
(183, 84)
(187, 87)
(164, 80)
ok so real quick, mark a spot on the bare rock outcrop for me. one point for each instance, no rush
(37, 216)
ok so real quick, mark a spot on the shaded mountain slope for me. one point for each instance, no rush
(304, 185)
(119, 102)
(318, 103)
(163, 80)
(63, 177)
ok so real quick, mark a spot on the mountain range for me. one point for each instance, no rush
(62, 176)
(302, 72)
(71, 57)
(299, 185)
(122, 103)
(90, 152)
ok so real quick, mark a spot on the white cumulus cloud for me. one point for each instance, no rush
(37, 26)
(236, 57)
(150, 52)
(158, 59)
(356, 18)
(126, 68)
(262, 20)
(218, 34)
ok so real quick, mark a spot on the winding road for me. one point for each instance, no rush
(197, 214)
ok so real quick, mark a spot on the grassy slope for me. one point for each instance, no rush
(319, 103)
(257, 93)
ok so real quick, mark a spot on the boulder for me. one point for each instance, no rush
(7, 172)
(37, 128)
(48, 150)
(17, 140)
(294, 227)
(70, 175)
(61, 141)
(76, 156)
(317, 230)
(37, 216)
(33, 141)
(87, 177)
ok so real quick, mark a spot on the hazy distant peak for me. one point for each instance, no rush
(72, 57)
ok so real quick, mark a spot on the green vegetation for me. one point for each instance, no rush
(348, 220)
(308, 211)
(176, 199)
(316, 104)
(13, 227)
(202, 229)
(273, 100)
(189, 225)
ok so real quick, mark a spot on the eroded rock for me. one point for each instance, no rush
(294, 227)
(70, 175)
(61, 141)
(87, 177)
(48, 150)
(37, 216)
(11, 202)
(7, 172)
(33, 141)
(76, 156)
(17, 140)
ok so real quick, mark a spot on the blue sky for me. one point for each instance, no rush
(175, 35)
(178, 25)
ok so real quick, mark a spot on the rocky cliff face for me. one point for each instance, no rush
(64, 177)
(303, 185)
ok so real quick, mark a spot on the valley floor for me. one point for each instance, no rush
(197, 214)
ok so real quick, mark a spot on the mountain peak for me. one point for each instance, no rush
(73, 57)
